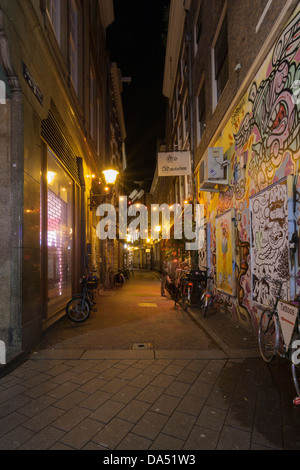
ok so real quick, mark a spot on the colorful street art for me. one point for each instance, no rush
(261, 140)
(269, 243)
(272, 123)
(224, 252)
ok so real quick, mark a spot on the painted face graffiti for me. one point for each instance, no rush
(274, 119)
(275, 232)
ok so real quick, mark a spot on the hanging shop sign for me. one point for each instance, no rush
(288, 314)
(174, 163)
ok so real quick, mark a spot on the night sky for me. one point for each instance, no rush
(136, 41)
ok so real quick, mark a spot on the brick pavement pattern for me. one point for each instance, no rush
(218, 396)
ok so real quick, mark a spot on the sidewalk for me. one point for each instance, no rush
(85, 388)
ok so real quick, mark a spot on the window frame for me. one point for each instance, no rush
(55, 22)
(197, 30)
(219, 38)
(74, 44)
(200, 118)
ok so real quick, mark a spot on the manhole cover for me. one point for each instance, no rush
(141, 346)
(147, 305)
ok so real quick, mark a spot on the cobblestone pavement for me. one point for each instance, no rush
(148, 377)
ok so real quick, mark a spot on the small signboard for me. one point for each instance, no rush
(174, 163)
(32, 84)
(287, 315)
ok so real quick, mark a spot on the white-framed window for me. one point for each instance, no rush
(53, 8)
(200, 112)
(74, 44)
(220, 68)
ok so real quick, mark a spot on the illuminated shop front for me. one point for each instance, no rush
(60, 227)
(60, 214)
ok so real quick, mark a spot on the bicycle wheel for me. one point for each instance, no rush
(184, 302)
(78, 309)
(268, 335)
(185, 297)
(295, 360)
(206, 303)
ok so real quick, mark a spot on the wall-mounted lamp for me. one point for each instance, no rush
(110, 176)
(50, 176)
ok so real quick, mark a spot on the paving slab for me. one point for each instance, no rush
(201, 386)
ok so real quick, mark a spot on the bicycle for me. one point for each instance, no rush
(175, 286)
(193, 288)
(210, 300)
(78, 309)
(279, 333)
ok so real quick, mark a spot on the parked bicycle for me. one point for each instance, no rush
(210, 300)
(78, 309)
(279, 333)
(119, 278)
(176, 285)
(193, 288)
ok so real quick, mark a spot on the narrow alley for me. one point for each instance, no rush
(141, 374)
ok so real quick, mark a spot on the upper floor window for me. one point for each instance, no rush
(198, 28)
(53, 8)
(92, 102)
(200, 110)
(185, 116)
(74, 44)
(220, 61)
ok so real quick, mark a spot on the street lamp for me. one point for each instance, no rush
(110, 176)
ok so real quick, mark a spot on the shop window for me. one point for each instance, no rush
(59, 234)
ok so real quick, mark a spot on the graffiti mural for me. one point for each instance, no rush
(261, 140)
(269, 243)
(273, 121)
(225, 252)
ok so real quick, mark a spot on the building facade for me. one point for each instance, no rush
(232, 79)
(59, 129)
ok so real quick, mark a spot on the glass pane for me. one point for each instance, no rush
(53, 9)
(60, 234)
(221, 49)
(222, 77)
(74, 44)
